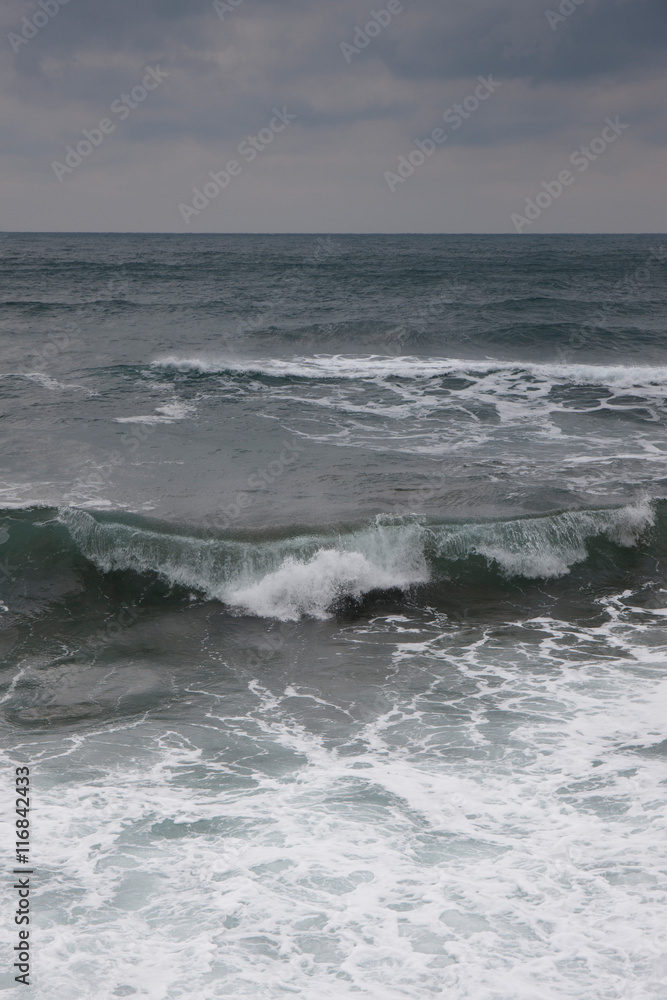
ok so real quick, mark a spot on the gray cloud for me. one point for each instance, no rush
(515, 40)
(558, 84)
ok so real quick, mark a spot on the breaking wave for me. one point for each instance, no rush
(311, 572)
(379, 367)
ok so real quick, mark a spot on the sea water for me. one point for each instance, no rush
(333, 614)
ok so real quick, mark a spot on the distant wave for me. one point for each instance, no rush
(340, 366)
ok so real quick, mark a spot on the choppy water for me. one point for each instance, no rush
(333, 613)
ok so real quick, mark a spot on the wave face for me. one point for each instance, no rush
(315, 573)
(306, 574)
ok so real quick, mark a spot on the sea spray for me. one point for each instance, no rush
(308, 573)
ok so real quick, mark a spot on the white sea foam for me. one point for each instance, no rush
(48, 382)
(167, 414)
(341, 366)
(496, 834)
(311, 588)
(539, 416)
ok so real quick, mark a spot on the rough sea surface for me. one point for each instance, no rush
(333, 614)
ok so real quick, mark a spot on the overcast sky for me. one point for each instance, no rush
(347, 115)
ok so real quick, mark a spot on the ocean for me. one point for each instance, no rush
(333, 614)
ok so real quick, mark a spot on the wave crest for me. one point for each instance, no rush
(309, 573)
(346, 367)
